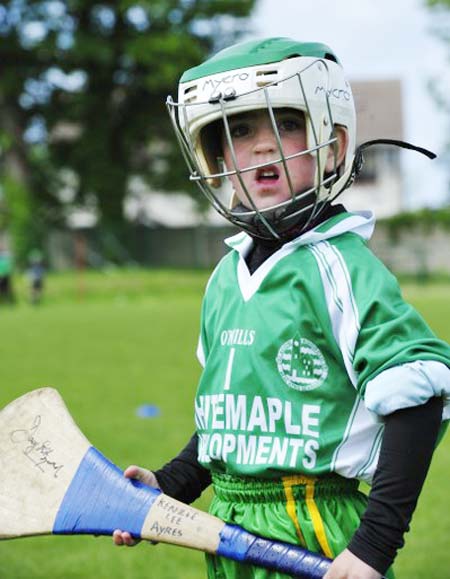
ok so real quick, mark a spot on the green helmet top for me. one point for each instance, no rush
(257, 52)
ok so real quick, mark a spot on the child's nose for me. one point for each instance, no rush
(265, 141)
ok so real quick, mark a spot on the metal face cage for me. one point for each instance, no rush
(308, 91)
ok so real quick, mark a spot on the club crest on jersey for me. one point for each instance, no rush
(301, 364)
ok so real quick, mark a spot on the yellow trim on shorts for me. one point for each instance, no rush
(291, 506)
(318, 526)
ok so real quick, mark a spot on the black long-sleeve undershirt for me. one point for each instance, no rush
(184, 478)
(408, 443)
(409, 440)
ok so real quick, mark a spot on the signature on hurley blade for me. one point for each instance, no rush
(36, 451)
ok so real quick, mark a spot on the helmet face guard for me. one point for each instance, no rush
(211, 94)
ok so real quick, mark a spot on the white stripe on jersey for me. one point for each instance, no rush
(357, 455)
(340, 301)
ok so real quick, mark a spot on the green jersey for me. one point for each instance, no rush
(5, 264)
(289, 350)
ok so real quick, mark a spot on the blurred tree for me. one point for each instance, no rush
(438, 3)
(439, 87)
(82, 98)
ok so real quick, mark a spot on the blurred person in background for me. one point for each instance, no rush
(6, 272)
(36, 274)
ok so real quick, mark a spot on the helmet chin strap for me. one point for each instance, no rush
(304, 212)
(358, 160)
(359, 156)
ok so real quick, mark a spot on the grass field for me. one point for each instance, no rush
(110, 342)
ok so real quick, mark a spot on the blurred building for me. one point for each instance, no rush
(380, 115)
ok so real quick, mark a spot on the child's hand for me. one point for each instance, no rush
(147, 477)
(348, 566)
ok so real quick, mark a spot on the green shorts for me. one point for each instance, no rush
(320, 514)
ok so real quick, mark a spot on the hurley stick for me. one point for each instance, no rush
(53, 481)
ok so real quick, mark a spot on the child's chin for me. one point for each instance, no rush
(270, 200)
(265, 198)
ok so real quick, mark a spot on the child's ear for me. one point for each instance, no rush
(336, 152)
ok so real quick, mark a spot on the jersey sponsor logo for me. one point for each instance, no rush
(254, 430)
(260, 450)
(301, 364)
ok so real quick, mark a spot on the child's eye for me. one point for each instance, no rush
(239, 130)
(290, 125)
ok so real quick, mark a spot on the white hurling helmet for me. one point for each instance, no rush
(266, 75)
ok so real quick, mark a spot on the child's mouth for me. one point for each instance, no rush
(267, 175)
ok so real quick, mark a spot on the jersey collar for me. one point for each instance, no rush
(361, 223)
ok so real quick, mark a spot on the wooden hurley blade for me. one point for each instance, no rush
(40, 450)
(55, 482)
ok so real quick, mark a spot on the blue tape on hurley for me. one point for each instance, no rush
(234, 542)
(100, 499)
(238, 544)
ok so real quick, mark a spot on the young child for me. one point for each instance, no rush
(317, 375)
